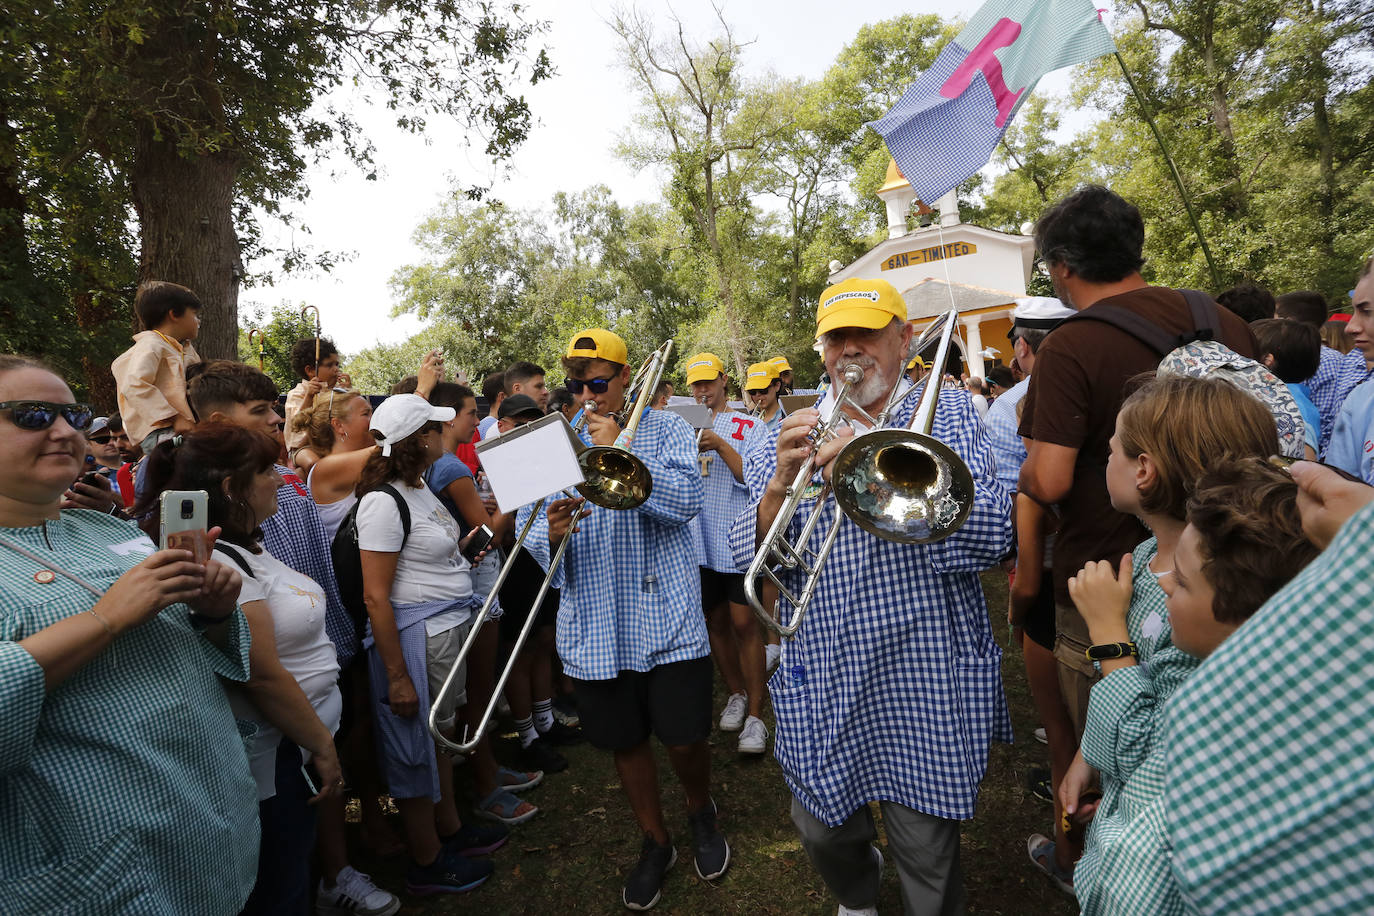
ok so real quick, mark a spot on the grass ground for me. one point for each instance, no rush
(573, 858)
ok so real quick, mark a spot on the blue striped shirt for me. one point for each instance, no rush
(631, 586)
(892, 689)
(1008, 449)
(1330, 395)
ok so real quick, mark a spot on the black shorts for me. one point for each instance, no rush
(517, 598)
(1039, 623)
(718, 587)
(672, 701)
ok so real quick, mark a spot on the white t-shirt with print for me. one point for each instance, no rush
(297, 605)
(430, 567)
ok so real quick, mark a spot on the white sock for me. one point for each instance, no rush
(528, 735)
(543, 715)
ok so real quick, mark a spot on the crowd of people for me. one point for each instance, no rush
(189, 714)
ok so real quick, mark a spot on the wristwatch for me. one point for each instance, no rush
(1111, 650)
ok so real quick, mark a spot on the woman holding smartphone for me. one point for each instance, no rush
(291, 699)
(418, 590)
(121, 770)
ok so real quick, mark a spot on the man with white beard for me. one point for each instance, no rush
(891, 691)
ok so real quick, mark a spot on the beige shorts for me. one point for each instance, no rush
(1076, 677)
(441, 651)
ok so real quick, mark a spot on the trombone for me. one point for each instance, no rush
(901, 485)
(614, 479)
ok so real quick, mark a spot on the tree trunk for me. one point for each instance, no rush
(1326, 197)
(185, 208)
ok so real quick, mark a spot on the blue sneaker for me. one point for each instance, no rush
(450, 873)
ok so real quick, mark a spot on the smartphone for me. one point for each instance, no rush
(90, 478)
(183, 522)
(477, 542)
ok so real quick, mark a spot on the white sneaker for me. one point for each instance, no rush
(753, 738)
(736, 708)
(772, 654)
(354, 894)
(868, 910)
(1040, 736)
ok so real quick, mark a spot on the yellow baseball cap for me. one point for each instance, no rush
(859, 303)
(604, 345)
(916, 361)
(760, 376)
(780, 364)
(704, 367)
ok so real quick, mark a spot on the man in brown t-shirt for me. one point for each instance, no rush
(1091, 242)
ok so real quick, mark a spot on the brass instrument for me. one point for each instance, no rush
(703, 458)
(901, 485)
(615, 479)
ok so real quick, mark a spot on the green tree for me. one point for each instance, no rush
(277, 332)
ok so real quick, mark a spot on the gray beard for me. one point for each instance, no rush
(874, 387)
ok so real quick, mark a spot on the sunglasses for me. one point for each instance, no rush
(594, 385)
(36, 415)
(333, 391)
(757, 392)
(101, 440)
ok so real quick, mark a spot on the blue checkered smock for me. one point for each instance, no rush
(724, 497)
(1008, 450)
(1332, 384)
(892, 689)
(631, 589)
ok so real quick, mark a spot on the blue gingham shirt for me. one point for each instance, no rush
(631, 586)
(297, 537)
(1334, 381)
(892, 689)
(1008, 450)
(724, 497)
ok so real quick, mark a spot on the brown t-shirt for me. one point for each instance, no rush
(1075, 394)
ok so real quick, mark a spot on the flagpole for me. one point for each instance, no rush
(1173, 170)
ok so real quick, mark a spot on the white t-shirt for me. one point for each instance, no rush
(297, 605)
(430, 567)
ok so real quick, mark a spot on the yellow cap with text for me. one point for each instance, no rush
(859, 303)
(597, 343)
(760, 376)
(704, 367)
(780, 364)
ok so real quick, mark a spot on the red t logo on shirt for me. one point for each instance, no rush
(741, 424)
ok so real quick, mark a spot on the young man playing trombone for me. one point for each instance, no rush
(630, 628)
(736, 641)
(891, 690)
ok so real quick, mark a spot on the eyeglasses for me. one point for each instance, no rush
(36, 415)
(594, 385)
(329, 411)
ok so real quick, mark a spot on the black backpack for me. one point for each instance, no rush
(348, 564)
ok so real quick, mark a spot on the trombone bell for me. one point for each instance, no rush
(903, 486)
(615, 479)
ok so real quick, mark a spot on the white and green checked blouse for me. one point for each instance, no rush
(124, 790)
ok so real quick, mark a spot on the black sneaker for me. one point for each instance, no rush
(1038, 781)
(476, 839)
(645, 884)
(709, 848)
(449, 873)
(560, 734)
(540, 756)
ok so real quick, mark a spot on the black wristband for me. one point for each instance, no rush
(200, 621)
(1111, 650)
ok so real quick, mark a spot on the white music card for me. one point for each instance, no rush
(698, 416)
(531, 462)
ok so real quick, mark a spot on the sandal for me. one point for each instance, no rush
(502, 806)
(1041, 850)
(517, 781)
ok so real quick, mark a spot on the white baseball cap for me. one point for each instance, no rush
(401, 415)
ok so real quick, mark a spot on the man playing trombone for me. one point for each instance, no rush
(630, 628)
(891, 690)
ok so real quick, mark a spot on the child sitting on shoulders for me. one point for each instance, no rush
(317, 373)
(150, 376)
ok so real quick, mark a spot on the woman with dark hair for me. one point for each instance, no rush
(418, 590)
(291, 698)
(122, 775)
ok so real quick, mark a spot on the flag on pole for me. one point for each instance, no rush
(944, 128)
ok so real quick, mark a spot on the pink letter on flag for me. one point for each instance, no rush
(1003, 35)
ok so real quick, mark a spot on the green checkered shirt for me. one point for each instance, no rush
(125, 789)
(1121, 738)
(1269, 791)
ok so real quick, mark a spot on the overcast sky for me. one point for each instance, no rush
(580, 113)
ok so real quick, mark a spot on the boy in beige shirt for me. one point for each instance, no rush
(151, 375)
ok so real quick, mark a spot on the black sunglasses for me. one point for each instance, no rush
(101, 440)
(36, 415)
(594, 385)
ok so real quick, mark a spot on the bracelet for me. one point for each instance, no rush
(1111, 650)
(103, 622)
(200, 621)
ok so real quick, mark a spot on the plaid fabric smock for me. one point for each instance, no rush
(1269, 791)
(724, 497)
(1121, 738)
(892, 689)
(125, 789)
(630, 585)
(1350, 371)
(1008, 451)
